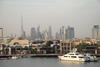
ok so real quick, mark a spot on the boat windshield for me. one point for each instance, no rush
(66, 56)
(73, 56)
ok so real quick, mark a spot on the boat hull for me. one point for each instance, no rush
(72, 59)
(14, 57)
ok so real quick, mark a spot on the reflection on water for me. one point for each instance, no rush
(71, 62)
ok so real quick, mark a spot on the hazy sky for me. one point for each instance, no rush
(80, 14)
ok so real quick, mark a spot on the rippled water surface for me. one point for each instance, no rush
(44, 62)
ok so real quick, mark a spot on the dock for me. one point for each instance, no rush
(44, 55)
(33, 55)
(29, 55)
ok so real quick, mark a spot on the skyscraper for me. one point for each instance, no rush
(23, 34)
(70, 34)
(39, 36)
(46, 35)
(62, 33)
(57, 36)
(33, 33)
(50, 33)
(95, 32)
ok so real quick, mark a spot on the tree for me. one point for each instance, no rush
(49, 43)
(82, 46)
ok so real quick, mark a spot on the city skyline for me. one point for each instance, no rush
(82, 15)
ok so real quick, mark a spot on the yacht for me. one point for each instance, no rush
(74, 56)
(92, 58)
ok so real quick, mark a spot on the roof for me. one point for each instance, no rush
(20, 42)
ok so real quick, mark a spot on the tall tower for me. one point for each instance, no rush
(62, 33)
(46, 35)
(57, 36)
(95, 32)
(39, 37)
(23, 35)
(50, 33)
(33, 33)
(70, 34)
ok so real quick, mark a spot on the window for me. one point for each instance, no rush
(73, 56)
(66, 56)
(81, 57)
(77, 54)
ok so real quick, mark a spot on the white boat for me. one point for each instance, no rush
(73, 56)
(14, 57)
(92, 58)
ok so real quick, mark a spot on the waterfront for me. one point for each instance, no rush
(44, 62)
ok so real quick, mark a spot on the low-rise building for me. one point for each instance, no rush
(21, 42)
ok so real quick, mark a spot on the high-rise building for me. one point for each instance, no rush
(39, 36)
(33, 33)
(95, 32)
(23, 34)
(50, 33)
(62, 33)
(43, 35)
(70, 34)
(57, 36)
(46, 38)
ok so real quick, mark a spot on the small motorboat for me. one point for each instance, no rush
(14, 57)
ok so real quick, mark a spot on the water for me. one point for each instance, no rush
(44, 62)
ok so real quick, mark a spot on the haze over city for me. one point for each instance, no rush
(80, 14)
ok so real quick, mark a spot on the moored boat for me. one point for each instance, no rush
(92, 58)
(14, 57)
(73, 56)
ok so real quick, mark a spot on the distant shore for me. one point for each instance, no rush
(34, 55)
